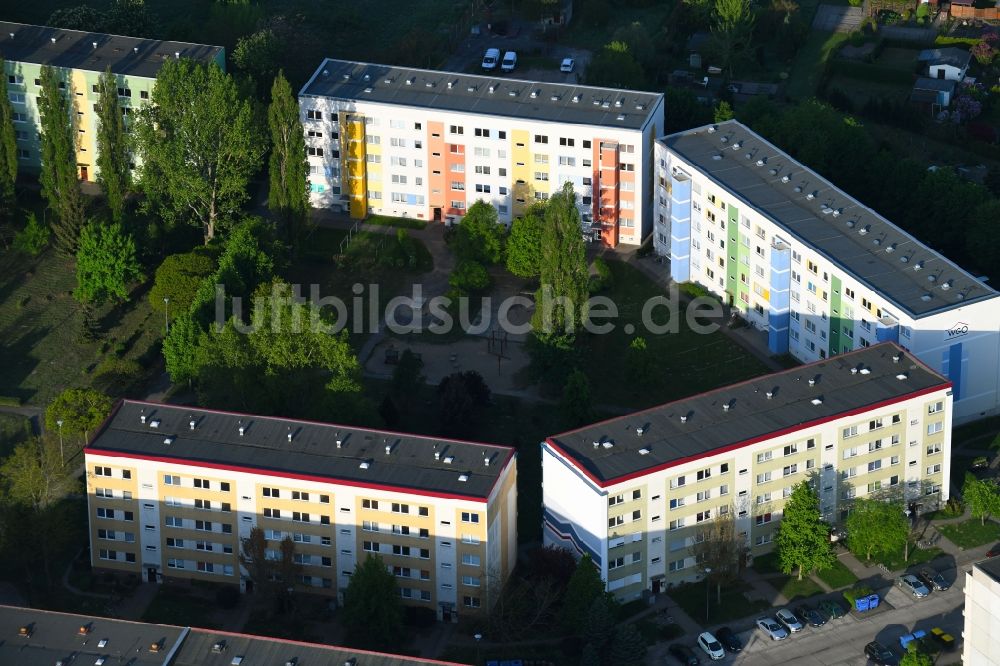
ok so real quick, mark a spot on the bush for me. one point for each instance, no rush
(604, 279)
(857, 592)
(469, 276)
(33, 239)
(227, 596)
(695, 290)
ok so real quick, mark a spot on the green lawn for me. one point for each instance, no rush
(971, 533)
(895, 561)
(795, 589)
(14, 429)
(177, 607)
(767, 563)
(810, 62)
(860, 91)
(734, 606)
(837, 576)
(686, 362)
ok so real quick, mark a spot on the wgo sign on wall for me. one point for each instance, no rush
(956, 331)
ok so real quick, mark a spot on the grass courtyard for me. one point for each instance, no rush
(734, 605)
(971, 533)
(837, 576)
(810, 62)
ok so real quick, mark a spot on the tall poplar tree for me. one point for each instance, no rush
(288, 198)
(562, 299)
(8, 150)
(60, 185)
(199, 145)
(112, 146)
(803, 538)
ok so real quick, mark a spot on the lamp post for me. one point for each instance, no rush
(166, 313)
(708, 571)
(478, 636)
(62, 457)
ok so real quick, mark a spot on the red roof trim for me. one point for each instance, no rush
(286, 475)
(748, 442)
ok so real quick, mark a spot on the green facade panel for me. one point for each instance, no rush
(836, 316)
(732, 254)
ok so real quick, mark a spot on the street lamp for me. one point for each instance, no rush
(166, 313)
(478, 636)
(61, 456)
(708, 571)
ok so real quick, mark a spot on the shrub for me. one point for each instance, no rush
(604, 279)
(857, 592)
(33, 239)
(227, 597)
(469, 276)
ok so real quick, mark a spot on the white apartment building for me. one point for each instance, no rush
(428, 144)
(173, 491)
(817, 271)
(981, 635)
(637, 492)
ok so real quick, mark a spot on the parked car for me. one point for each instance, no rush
(945, 640)
(912, 584)
(994, 551)
(509, 61)
(933, 580)
(711, 646)
(771, 627)
(832, 609)
(789, 621)
(729, 639)
(491, 59)
(880, 654)
(567, 65)
(684, 654)
(814, 617)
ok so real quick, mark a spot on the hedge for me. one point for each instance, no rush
(9, 401)
(946, 40)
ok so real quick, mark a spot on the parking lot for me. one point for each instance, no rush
(841, 642)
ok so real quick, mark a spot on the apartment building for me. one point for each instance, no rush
(80, 58)
(981, 636)
(638, 492)
(172, 491)
(816, 271)
(34, 637)
(428, 144)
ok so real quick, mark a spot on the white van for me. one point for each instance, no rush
(509, 61)
(491, 59)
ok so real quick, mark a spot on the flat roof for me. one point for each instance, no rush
(710, 428)
(410, 466)
(486, 95)
(20, 42)
(197, 651)
(990, 567)
(56, 636)
(876, 252)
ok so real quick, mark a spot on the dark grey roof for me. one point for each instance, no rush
(56, 636)
(75, 49)
(470, 93)
(751, 417)
(259, 651)
(875, 251)
(990, 567)
(313, 452)
(942, 85)
(947, 56)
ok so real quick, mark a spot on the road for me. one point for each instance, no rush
(841, 642)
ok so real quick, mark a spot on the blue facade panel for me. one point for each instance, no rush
(887, 333)
(778, 313)
(954, 369)
(680, 228)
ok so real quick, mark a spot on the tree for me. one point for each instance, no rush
(480, 236)
(81, 411)
(682, 110)
(524, 245)
(639, 43)
(407, 378)
(259, 55)
(105, 264)
(723, 112)
(82, 17)
(60, 186)
(113, 162)
(561, 304)
(982, 496)
(288, 569)
(34, 474)
(720, 548)
(615, 66)
(253, 558)
(469, 276)
(461, 398)
(199, 145)
(585, 585)
(803, 538)
(732, 30)
(628, 647)
(33, 238)
(641, 364)
(915, 656)
(599, 627)
(373, 613)
(123, 17)
(178, 278)
(8, 150)
(877, 526)
(982, 236)
(577, 403)
(288, 197)
(182, 349)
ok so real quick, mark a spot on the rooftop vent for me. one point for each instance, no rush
(486, 460)
(102, 643)
(534, 94)
(769, 394)
(409, 81)
(640, 107)
(773, 172)
(748, 156)
(142, 417)
(53, 39)
(926, 297)
(11, 35)
(619, 102)
(811, 196)
(724, 139)
(367, 77)
(864, 230)
(725, 406)
(946, 285)
(737, 145)
(387, 80)
(785, 178)
(644, 451)
(429, 84)
(340, 443)
(917, 266)
(712, 128)
(388, 449)
(854, 371)
(876, 242)
(492, 88)
(890, 248)
(762, 161)
(168, 440)
(901, 376)
(640, 430)
(554, 98)
(449, 460)
(368, 89)
(608, 443)
(837, 212)
(684, 418)
(94, 44)
(155, 423)
(865, 371)
(932, 278)
(242, 430)
(896, 358)
(219, 647)
(290, 435)
(191, 424)
(904, 259)
(812, 382)
(463, 477)
(177, 54)
(817, 401)
(576, 98)
(621, 116)
(851, 223)
(717, 157)
(512, 93)
(597, 443)
(326, 72)
(365, 464)
(798, 189)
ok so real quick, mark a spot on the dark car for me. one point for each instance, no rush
(994, 551)
(880, 654)
(933, 579)
(729, 639)
(684, 654)
(814, 617)
(832, 609)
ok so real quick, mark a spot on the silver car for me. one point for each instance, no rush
(913, 585)
(788, 620)
(771, 627)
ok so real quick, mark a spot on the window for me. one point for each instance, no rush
(271, 492)
(468, 517)
(933, 448)
(704, 474)
(763, 518)
(400, 508)
(676, 503)
(763, 457)
(539, 138)
(471, 560)
(934, 428)
(471, 602)
(850, 432)
(676, 524)
(934, 469)
(202, 483)
(169, 480)
(102, 471)
(702, 516)
(791, 449)
(874, 465)
(456, 129)
(677, 483)
(936, 407)
(763, 477)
